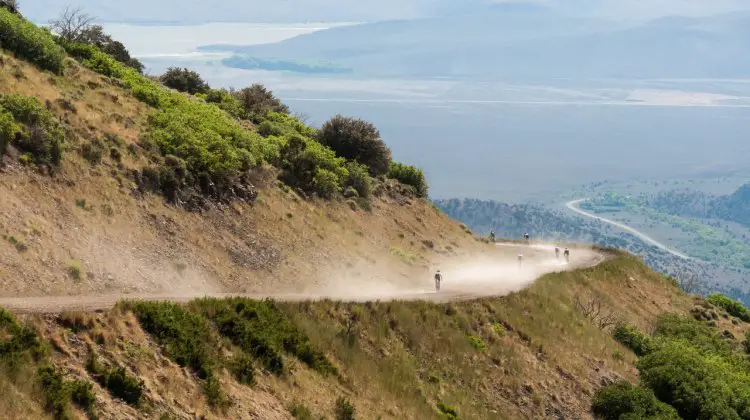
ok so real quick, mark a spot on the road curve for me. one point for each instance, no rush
(459, 288)
(572, 205)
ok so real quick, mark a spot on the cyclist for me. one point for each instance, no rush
(438, 280)
(557, 253)
(520, 260)
(567, 255)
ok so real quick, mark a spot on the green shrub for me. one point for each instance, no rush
(212, 389)
(215, 147)
(312, 167)
(82, 394)
(625, 401)
(241, 367)
(290, 124)
(356, 139)
(697, 385)
(30, 42)
(359, 179)
(40, 135)
(96, 36)
(184, 80)
(93, 151)
(343, 409)
(734, 308)
(226, 101)
(75, 269)
(630, 337)
(700, 336)
(185, 336)
(117, 381)
(268, 128)
(447, 411)
(260, 329)
(326, 183)
(56, 394)
(477, 343)
(8, 129)
(411, 176)
(17, 341)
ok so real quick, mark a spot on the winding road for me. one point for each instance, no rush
(572, 205)
(462, 282)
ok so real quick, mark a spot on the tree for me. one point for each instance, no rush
(411, 176)
(95, 35)
(356, 139)
(184, 80)
(257, 101)
(72, 24)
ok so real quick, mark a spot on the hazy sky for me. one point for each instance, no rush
(348, 10)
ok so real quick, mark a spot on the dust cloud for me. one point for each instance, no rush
(494, 275)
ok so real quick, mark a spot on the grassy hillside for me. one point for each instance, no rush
(114, 184)
(529, 355)
(129, 186)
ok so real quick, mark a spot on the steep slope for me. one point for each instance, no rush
(532, 354)
(114, 185)
(89, 229)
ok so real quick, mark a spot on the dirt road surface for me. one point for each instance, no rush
(462, 280)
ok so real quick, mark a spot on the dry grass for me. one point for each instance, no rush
(539, 355)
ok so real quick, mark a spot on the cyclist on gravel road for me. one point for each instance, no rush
(557, 253)
(567, 255)
(438, 280)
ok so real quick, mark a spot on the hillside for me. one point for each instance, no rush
(115, 186)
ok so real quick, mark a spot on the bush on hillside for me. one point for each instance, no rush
(8, 129)
(226, 101)
(216, 149)
(40, 135)
(733, 307)
(312, 167)
(257, 102)
(343, 409)
(326, 184)
(96, 36)
(700, 336)
(260, 329)
(117, 381)
(359, 179)
(697, 385)
(630, 337)
(30, 42)
(411, 176)
(623, 401)
(356, 139)
(184, 80)
(185, 336)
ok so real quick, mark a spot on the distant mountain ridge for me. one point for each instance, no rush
(505, 42)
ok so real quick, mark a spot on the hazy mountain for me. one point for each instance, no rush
(534, 43)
